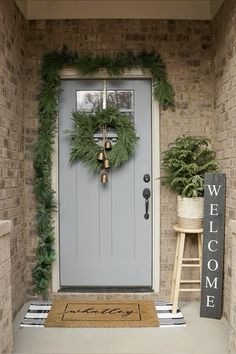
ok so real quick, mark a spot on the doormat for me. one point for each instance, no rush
(102, 314)
(38, 312)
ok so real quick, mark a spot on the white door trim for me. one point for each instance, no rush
(70, 73)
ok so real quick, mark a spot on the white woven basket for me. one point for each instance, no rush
(190, 212)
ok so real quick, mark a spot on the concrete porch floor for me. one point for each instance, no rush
(200, 336)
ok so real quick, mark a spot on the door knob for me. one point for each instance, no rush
(146, 196)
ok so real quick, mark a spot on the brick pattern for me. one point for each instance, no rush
(12, 46)
(232, 338)
(224, 37)
(186, 48)
(5, 290)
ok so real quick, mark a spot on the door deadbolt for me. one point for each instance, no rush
(146, 178)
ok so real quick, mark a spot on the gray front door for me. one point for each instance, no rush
(105, 241)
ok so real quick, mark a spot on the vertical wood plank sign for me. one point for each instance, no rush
(213, 245)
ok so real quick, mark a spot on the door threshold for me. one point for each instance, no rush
(82, 289)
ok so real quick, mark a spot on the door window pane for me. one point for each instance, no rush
(121, 99)
(88, 101)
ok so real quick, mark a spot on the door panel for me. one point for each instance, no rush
(104, 238)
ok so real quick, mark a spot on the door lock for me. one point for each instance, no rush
(146, 178)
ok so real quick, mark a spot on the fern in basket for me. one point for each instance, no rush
(186, 162)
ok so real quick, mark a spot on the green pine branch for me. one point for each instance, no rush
(186, 162)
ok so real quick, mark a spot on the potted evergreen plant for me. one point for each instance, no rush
(186, 162)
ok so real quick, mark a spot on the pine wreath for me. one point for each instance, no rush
(84, 148)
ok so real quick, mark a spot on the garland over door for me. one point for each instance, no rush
(105, 240)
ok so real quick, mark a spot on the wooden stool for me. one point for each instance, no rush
(180, 263)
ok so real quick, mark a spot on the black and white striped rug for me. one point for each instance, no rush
(38, 312)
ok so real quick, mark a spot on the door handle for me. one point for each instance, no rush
(146, 196)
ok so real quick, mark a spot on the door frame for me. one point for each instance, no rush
(73, 74)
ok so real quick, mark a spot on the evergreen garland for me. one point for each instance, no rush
(53, 63)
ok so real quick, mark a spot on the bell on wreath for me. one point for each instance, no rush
(106, 163)
(100, 156)
(104, 177)
(108, 145)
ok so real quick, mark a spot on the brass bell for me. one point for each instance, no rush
(100, 156)
(106, 163)
(108, 145)
(104, 178)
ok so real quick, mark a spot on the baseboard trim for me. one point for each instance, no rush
(83, 289)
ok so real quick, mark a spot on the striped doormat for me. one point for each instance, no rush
(38, 312)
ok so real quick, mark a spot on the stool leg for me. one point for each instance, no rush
(175, 269)
(199, 237)
(178, 271)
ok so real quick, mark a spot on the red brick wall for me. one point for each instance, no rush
(186, 49)
(12, 53)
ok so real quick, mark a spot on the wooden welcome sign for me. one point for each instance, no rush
(213, 246)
